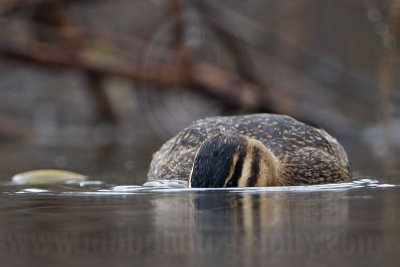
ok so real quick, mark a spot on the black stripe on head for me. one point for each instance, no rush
(255, 167)
(233, 182)
(214, 160)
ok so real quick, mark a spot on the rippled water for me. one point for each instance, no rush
(97, 224)
(99, 188)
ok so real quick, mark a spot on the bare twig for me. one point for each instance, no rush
(52, 56)
(205, 77)
(387, 69)
(234, 45)
(101, 104)
(227, 86)
(64, 43)
(9, 6)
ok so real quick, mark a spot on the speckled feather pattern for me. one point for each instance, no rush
(307, 155)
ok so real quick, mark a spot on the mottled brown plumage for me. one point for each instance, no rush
(302, 154)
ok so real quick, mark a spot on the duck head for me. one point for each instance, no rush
(233, 160)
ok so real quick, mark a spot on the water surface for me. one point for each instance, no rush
(98, 224)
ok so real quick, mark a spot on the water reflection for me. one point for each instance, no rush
(357, 224)
(259, 227)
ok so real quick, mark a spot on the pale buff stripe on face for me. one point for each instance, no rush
(263, 177)
(232, 169)
(246, 171)
(269, 169)
(191, 170)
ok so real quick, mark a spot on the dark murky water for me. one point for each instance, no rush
(95, 224)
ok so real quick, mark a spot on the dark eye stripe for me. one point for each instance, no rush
(214, 161)
(255, 167)
(233, 182)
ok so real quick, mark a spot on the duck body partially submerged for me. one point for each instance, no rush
(251, 150)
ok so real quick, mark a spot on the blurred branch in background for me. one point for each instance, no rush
(303, 58)
(335, 78)
(388, 66)
(62, 42)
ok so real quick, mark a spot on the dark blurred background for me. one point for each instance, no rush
(96, 86)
